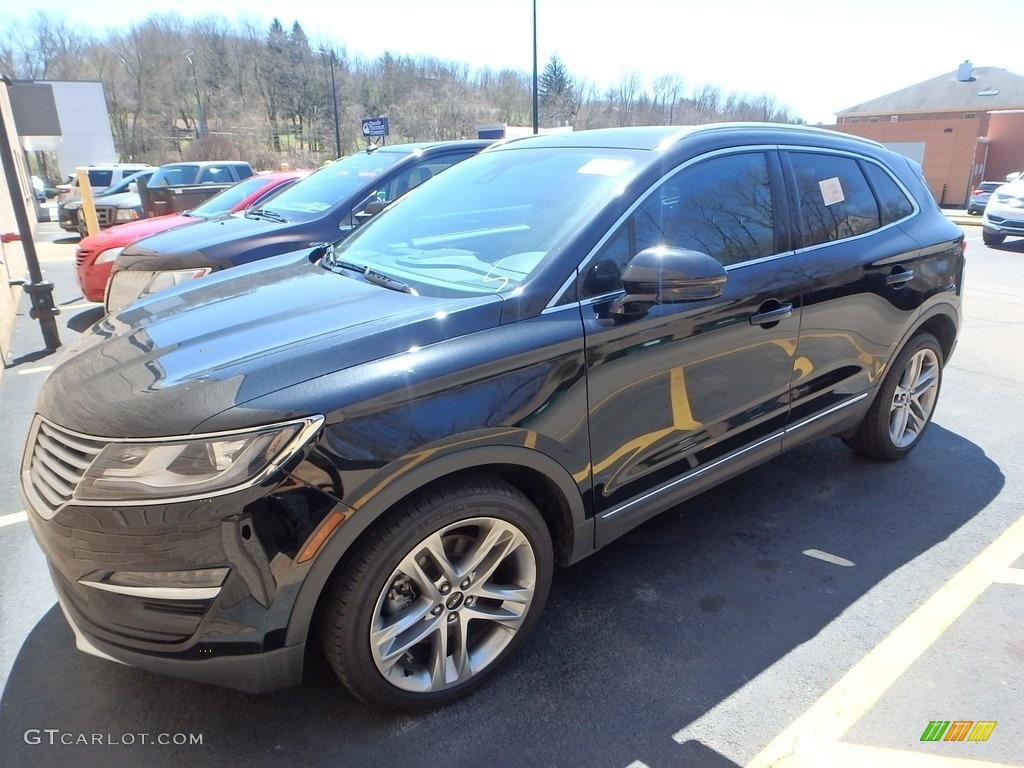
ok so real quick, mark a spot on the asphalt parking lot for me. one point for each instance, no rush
(821, 610)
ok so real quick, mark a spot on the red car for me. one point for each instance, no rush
(96, 253)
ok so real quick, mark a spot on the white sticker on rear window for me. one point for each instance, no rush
(605, 166)
(831, 191)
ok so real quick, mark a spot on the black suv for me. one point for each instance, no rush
(386, 445)
(320, 208)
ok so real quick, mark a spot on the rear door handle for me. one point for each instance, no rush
(899, 278)
(772, 315)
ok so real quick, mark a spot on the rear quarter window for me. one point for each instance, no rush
(835, 200)
(893, 204)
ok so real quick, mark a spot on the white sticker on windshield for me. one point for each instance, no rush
(605, 166)
(831, 191)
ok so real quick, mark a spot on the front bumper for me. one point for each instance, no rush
(258, 673)
(117, 571)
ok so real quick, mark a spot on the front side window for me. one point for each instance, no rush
(721, 207)
(834, 197)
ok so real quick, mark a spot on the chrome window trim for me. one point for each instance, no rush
(782, 433)
(311, 425)
(746, 149)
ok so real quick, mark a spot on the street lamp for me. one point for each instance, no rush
(334, 98)
(536, 115)
(200, 115)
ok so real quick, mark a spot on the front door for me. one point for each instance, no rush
(692, 390)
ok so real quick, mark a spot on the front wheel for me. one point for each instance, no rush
(903, 407)
(439, 595)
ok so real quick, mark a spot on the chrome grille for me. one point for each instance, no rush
(56, 460)
(105, 215)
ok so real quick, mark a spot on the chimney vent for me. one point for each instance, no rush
(965, 72)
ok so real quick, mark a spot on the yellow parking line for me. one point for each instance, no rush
(1010, 576)
(839, 708)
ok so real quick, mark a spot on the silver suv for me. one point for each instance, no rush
(1004, 213)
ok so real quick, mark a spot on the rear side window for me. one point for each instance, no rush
(834, 196)
(98, 178)
(893, 204)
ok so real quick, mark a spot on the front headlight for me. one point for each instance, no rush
(109, 255)
(126, 214)
(191, 468)
(162, 280)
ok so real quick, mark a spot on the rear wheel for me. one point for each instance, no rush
(992, 239)
(439, 595)
(903, 407)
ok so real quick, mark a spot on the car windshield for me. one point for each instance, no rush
(122, 186)
(485, 225)
(173, 175)
(228, 200)
(323, 190)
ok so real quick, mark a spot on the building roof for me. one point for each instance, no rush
(988, 88)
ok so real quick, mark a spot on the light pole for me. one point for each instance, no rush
(334, 97)
(536, 115)
(200, 115)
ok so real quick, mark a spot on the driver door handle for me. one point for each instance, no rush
(772, 315)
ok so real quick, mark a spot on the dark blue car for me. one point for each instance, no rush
(322, 208)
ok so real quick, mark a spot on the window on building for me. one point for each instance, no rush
(872, 119)
(970, 115)
(894, 119)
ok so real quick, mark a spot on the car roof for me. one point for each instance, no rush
(420, 146)
(659, 137)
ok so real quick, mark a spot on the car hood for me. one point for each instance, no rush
(211, 239)
(123, 234)
(169, 362)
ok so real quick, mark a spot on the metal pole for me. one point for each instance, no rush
(334, 96)
(41, 293)
(536, 113)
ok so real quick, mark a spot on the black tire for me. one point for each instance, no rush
(880, 435)
(992, 239)
(392, 579)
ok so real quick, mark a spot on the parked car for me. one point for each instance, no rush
(329, 203)
(39, 189)
(95, 256)
(179, 187)
(386, 445)
(116, 204)
(1004, 213)
(980, 196)
(101, 178)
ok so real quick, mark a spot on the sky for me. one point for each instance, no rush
(814, 56)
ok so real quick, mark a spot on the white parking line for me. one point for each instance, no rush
(834, 559)
(14, 517)
(40, 369)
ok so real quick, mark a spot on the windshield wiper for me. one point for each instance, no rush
(263, 213)
(369, 274)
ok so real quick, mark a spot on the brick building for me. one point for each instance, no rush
(963, 127)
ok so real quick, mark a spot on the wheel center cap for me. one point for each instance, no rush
(454, 601)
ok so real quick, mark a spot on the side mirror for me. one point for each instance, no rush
(666, 275)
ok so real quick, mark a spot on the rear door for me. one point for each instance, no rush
(863, 280)
(695, 391)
